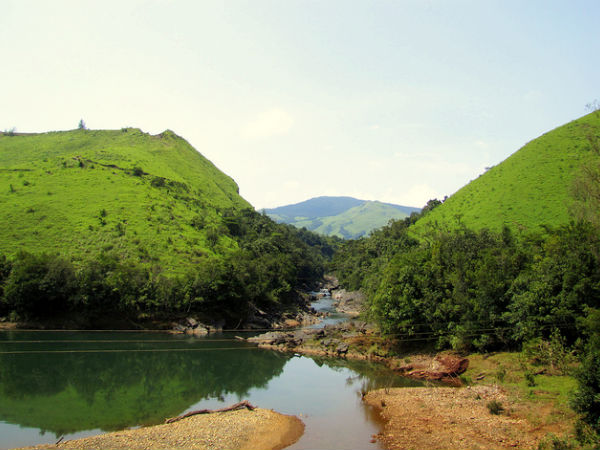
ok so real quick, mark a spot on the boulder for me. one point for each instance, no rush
(179, 328)
(191, 322)
(342, 348)
(199, 331)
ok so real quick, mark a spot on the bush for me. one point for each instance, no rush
(553, 442)
(586, 398)
(158, 182)
(530, 379)
(495, 407)
(138, 171)
(552, 353)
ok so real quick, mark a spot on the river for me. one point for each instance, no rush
(76, 384)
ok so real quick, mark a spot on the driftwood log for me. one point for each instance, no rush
(240, 405)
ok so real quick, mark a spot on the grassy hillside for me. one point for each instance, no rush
(533, 187)
(152, 198)
(345, 217)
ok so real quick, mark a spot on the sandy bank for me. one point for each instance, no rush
(452, 418)
(260, 429)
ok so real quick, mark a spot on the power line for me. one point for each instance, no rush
(22, 352)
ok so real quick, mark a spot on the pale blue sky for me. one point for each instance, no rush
(399, 101)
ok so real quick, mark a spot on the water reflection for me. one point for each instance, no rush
(110, 381)
(115, 388)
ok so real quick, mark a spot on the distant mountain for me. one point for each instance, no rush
(345, 217)
(531, 188)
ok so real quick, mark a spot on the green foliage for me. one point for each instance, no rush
(553, 442)
(172, 238)
(586, 398)
(39, 285)
(552, 353)
(271, 262)
(478, 290)
(530, 379)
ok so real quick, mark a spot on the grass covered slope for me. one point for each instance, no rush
(151, 198)
(532, 187)
(345, 217)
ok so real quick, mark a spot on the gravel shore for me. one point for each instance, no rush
(260, 429)
(451, 418)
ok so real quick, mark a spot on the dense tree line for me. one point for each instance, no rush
(271, 262)
(479, 290)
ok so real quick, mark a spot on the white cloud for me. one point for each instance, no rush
(272, 122)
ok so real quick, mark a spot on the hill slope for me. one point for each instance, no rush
(345, 217)
(531, 188)
(152, 198)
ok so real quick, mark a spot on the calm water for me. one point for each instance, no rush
(75, 384)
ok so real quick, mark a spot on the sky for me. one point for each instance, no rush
(398, 101)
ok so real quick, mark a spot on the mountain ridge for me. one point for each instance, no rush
(345, 217)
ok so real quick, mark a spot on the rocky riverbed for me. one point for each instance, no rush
(360, 340)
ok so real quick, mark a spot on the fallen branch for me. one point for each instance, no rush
(240, 405)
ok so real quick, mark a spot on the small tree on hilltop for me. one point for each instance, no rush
(81, 125)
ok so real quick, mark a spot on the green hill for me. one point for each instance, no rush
(99, 226)
(152, 198)
(531, 188)
(345, 217)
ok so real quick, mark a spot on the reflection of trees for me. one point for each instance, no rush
(370, 375)
(65, 393)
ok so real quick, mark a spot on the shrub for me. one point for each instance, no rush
(586, 399)
(495, 407)
(553, 442)
(157, 182)
(138, 171)
(530, 379)
(501, 373)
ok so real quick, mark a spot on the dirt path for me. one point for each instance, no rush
(450, 418)
(260, 429)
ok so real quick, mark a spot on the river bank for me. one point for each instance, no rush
(447, 418)
(502, 406)
(431, 411)
(259, 429)
(486, 401)
(362, 341)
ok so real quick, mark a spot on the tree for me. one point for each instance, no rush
(81, 125)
